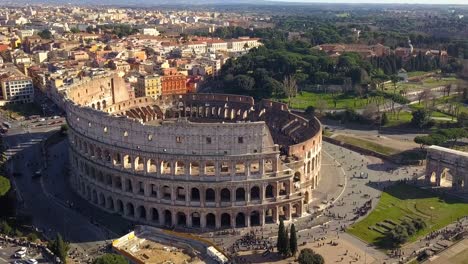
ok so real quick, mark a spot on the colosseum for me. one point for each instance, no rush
(206, 161)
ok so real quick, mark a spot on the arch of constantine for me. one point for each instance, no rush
(195, 160)
(447, 167)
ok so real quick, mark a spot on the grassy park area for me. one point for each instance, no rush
(4, 185)
(430, 82)
(367, 145)
(404, 202)
(343, 101)
(17, 110)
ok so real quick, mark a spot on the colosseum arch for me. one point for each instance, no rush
(151, 166)
(225, 220)
(210, 220)
(139, 163)
(120, 207)
(130, 210)
(154, 215)
(194, 168)
(225, 195)
(240, 220)
(110, 203)
(196, 219)
(181, 219)
(255, 193)
(195, 195)
(210, 195)
(141, 212)
(240, 194)
(167, 217)
(254, 218)
(269, 191)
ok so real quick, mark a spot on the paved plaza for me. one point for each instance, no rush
(344, 186)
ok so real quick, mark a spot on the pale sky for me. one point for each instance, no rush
(458, 2)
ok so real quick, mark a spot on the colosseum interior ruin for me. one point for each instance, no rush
(207, 161)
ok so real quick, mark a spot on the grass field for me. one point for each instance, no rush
(430, 82)
(417, 73)
(4, 185)
(367, 145)
(16, 110)
(401, 202)
(343, 101)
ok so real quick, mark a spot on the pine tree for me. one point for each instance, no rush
(281, 242)
(287, 249)
(293, 240)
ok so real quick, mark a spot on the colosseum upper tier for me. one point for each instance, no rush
(205, 161)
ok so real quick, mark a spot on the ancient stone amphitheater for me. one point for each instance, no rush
(197, 160)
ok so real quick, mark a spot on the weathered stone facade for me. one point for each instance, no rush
(195, 160)
(441, 161)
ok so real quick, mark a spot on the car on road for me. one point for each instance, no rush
(31, 261)
(17, 262)
(42, 120)
(55, 117)
(20, 253)
(37, 174)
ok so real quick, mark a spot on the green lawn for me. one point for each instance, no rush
(367, 145)
(4, 185)
(417, 73)
(430, 82)
(398, 119)
(401, 202)
(343, 101)
(16, 110)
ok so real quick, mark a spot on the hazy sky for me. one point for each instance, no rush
(459, 2)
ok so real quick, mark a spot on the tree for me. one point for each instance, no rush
(310, 111)
(5, 228)
(421, 118)
(244, 83)
(74, 30)
(384, 120)
(110, 259)
(321, 105)
(308, 256)
(64, 128)
(290, 87)
(45, 34)
(293, 241)
(394, 79)
(424, 141)
(287, 250)
(281, 241)
(424, 96)
(59, 248)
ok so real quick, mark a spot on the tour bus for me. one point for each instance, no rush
(6, 124)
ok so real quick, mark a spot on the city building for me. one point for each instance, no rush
(16, 87)
(148, 85)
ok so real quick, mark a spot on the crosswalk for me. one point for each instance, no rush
(11, 151)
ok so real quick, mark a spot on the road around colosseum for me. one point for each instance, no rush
(52, 197)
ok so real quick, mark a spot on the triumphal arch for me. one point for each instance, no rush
(447, 168)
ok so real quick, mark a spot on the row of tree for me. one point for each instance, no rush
(442, 137)
(401, 233)
(287, 246)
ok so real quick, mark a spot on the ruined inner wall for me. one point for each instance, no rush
(98, 92)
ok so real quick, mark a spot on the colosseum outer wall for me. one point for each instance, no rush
(195, 175)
